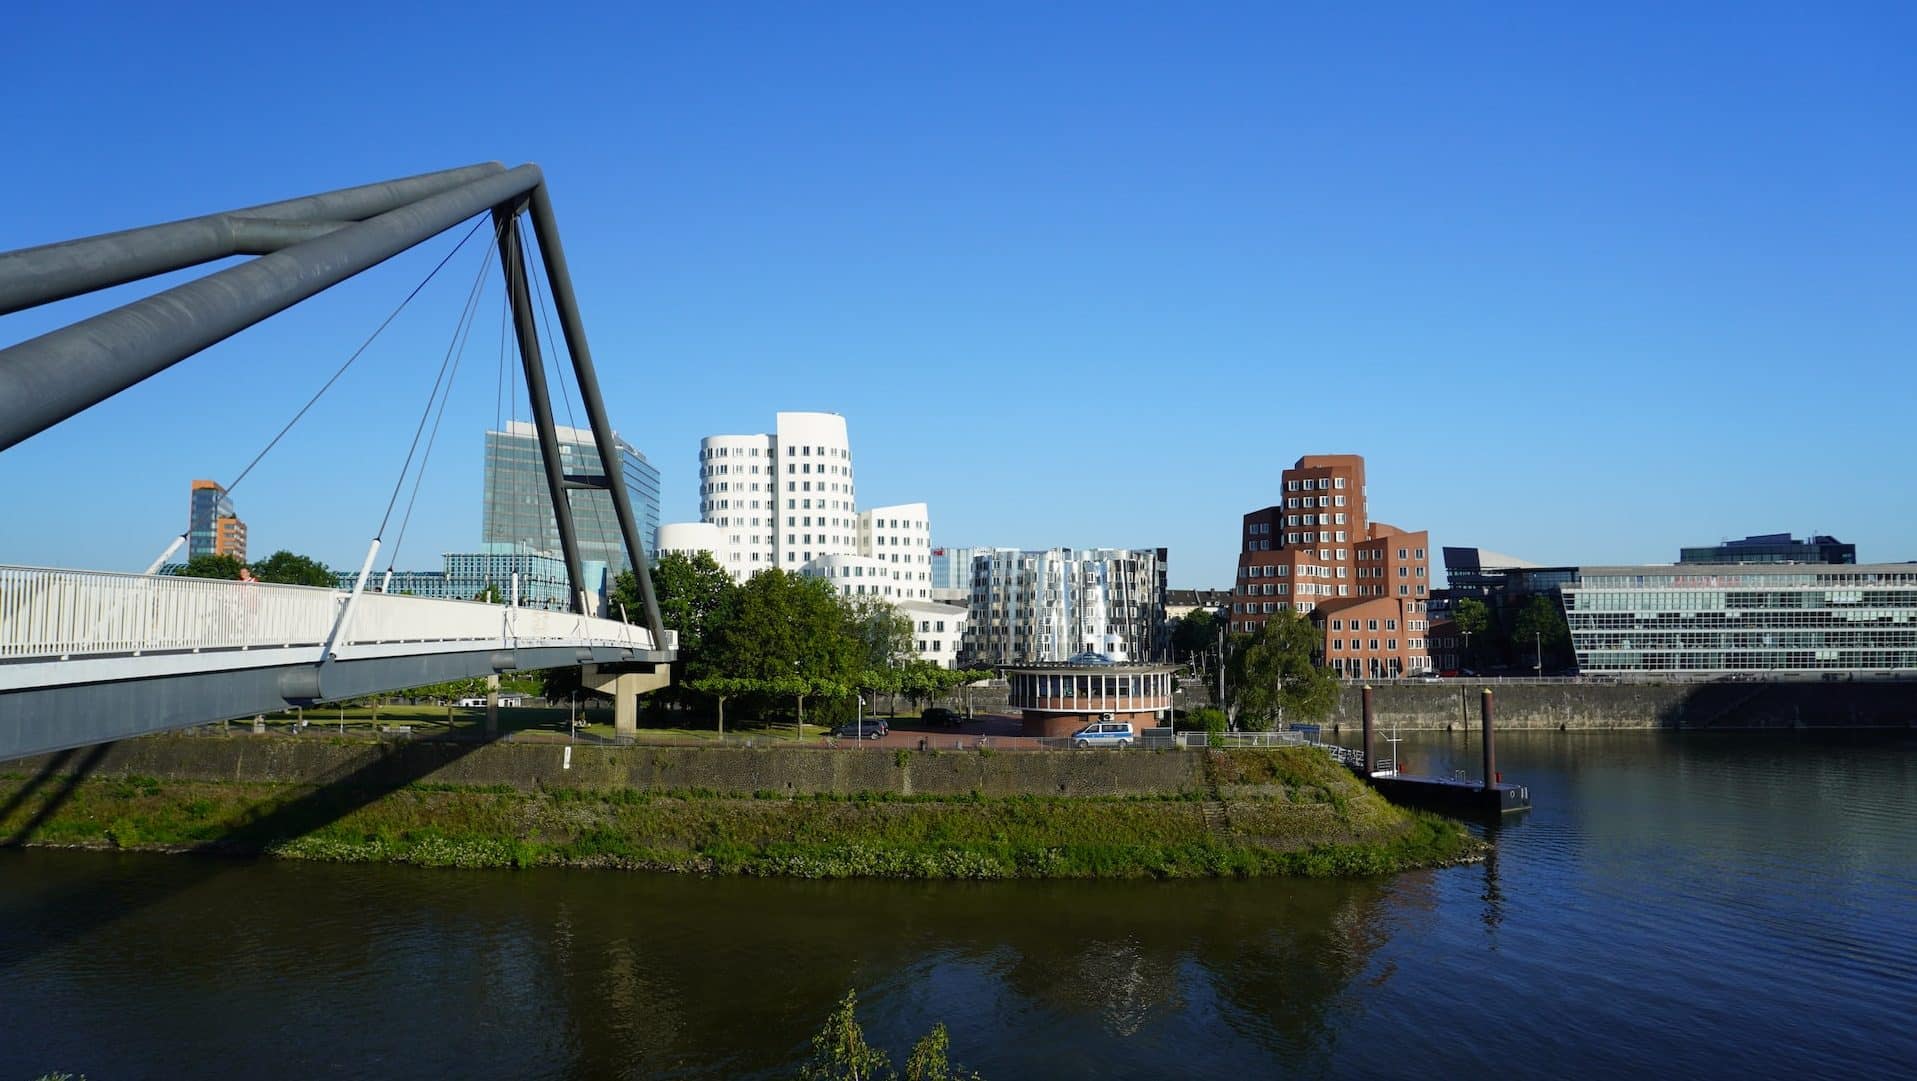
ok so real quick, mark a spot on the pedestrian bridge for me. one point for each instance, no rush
(89, 656)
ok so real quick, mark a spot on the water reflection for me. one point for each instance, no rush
(1671, 905)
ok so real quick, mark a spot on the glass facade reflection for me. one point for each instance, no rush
(518, 511)
(1782, 619)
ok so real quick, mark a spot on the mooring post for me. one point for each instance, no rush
(1371, 762)
(1490, 745)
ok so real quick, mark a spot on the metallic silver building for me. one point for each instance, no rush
(1779, 620)
(1042, 606)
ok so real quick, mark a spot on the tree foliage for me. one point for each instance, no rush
(210, 566)
(690, 591)
(840, 1053)
(839, 1050)
(289, 568)
(1540, 623)
(1194, 633)
(1471, 615)
(1272, 676)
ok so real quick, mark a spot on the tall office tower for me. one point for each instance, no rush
(212, 527)
(1364, 583)
(1045, 606)
(518, 508)
(952, 574)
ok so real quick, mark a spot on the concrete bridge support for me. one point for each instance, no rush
(625, 683)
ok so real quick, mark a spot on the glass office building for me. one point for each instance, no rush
(212, 527)
(1775, 620)
(467, 575)
(518, 511)
(1772, 548)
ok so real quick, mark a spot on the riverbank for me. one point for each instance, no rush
(1284, 811)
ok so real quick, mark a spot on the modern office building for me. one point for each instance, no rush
(952, 574)
(1773, 548)
(1042, 606)
(1772, 620)
(518, 508)
(1367, 584)
(212, 526)
(465, 576)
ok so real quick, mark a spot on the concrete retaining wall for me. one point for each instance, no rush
(315, 759)
(1454, 703)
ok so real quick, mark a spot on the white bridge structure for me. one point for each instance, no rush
(89, 656)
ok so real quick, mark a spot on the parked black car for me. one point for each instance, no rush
(854, 730)
(941, 715)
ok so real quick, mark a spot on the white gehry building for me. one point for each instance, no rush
(788, 499)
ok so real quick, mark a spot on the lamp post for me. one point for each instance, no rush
(798, 734)
(860, 725)
(1539, 667)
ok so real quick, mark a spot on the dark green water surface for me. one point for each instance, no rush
(1692, 906)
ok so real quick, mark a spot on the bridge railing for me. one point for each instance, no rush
(62, 613)
(47, 613)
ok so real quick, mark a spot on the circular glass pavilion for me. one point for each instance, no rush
(1059, 699)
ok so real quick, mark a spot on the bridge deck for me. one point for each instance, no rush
(88, 656)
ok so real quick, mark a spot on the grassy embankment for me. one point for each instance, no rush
(1285, 811)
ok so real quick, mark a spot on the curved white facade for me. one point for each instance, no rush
(691, 538)
(855, 576)
(789, 499)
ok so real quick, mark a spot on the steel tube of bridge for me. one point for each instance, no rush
(50, 272)
(553, 254)
(512, 258)
(50, 378)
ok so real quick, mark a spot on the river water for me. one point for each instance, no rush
(1698, 906)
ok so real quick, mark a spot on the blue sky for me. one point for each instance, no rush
(1582, 285)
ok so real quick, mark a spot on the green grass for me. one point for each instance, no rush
(1343, 829)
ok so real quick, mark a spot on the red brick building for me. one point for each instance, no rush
(1363, 583)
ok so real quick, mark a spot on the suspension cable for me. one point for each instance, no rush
(462, 331)
(356, 355)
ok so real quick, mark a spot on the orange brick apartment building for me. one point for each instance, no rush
(1363, 583)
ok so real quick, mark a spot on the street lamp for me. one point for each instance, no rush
(1539, 667)
(798, 735)
(861, 722)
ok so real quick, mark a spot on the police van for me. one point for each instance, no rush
(1105, 734)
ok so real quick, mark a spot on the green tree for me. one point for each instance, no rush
(722, 688)
(690, 591)
(839, 1050)
(1541, 624)
(1206, 719)
(489, 595)
(930, 1059)
(883, 631)
(288, 568)
(1473, 620)
(211, 566)
(1272, 675)
(1194, 633)
(786, 630)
